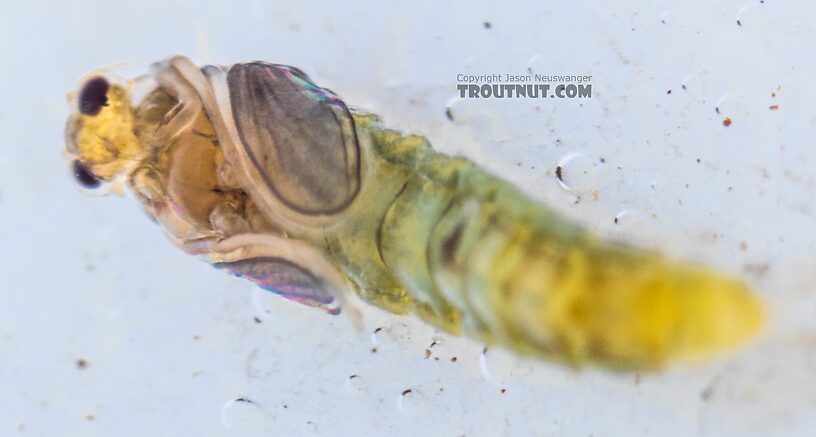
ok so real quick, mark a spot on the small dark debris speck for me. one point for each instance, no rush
(503, 391)
(449, 113)
(603, 160)
(706, 394)
(698, 160)
(487, 25)
(559, 173)
(373, 350)
(407, 391)
(739, 23)
(616, 220)
(717, 109)
(248, 401)
(257, 320)
(773, 107)
(758, 269)
(90, 417)
(453, 359)
(81, 364)
(683, 86)
(668, 92)
(378, 330)
(354, 376)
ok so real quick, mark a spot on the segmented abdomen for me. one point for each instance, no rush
(480, 256)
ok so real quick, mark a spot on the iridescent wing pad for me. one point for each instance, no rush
(300, 138)
(286, 279)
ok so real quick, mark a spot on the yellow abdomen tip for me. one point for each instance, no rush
(643, 311)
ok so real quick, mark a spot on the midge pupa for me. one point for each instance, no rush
(264, 174)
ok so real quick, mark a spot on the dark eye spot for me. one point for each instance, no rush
(94, 96)
(84, 176)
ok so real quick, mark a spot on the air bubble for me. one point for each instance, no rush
(259, 298)
(496, 366)
(355, 384)
(311, 428)
(412, 402)
(390, 337)
(577, 172)
(718, 107)
(242, 414)
(623, 217)
(631, 222)
(742, 10)
(531, 63)
(450, 112)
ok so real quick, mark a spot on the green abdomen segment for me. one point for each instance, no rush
(479, 256)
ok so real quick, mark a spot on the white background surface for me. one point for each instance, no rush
(169, 341)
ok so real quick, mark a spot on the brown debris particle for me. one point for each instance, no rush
(706, 394)
(453, 360)
(758, 269)
(427, 353)
(727, 121)
(773, 107)
(90, 417)
(743, 246)
(81, 363)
